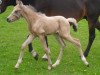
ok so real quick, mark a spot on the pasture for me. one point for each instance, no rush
(12, 35)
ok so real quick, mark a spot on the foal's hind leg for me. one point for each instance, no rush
(29, 40)
(61, 42)
(76, 42)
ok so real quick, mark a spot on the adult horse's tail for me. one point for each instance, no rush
(73, 22)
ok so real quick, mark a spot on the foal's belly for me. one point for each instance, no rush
(51, 27)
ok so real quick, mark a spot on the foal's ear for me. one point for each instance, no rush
(19, 2)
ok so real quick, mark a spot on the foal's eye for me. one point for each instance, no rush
(16, 11)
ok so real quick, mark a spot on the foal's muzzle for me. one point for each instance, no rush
(8, 20)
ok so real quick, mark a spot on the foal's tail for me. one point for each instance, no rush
(73, 22)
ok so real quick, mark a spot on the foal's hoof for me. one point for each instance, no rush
(16, 67)
(87, 65)
(36, 57)
(44, 59)
(54, 65)
(49, 67)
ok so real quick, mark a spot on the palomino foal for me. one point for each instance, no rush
(40, 25)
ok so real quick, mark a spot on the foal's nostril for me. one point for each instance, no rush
(8, 20)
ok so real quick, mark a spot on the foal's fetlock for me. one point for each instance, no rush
(87, 64)
(44, 58)
(56, 63)
(84, 60)
(35, 55)
(18, 63)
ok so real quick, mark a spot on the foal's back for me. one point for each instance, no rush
(53, 24)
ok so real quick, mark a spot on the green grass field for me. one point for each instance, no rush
(12, 35)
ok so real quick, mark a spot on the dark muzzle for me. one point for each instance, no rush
(8, 20)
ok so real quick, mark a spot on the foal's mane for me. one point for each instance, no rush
(31, 7)
(34, 10)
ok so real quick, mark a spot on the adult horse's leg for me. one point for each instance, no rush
(31, 50)
(98, 25)
(92, 24)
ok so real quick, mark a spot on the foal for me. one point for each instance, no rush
(40, 25)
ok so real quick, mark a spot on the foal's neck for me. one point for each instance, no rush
(30, 15)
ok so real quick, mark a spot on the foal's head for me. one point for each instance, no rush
(16, 13)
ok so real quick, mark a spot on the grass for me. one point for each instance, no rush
(12, 35)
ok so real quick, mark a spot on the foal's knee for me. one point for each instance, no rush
(23, 46)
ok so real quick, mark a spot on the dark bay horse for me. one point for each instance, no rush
(78, 9)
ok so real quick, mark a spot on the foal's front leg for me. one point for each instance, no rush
(32, 51)
(29, 40)
(45, 56)
(42, 39)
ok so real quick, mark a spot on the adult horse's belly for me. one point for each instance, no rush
(67, 8)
